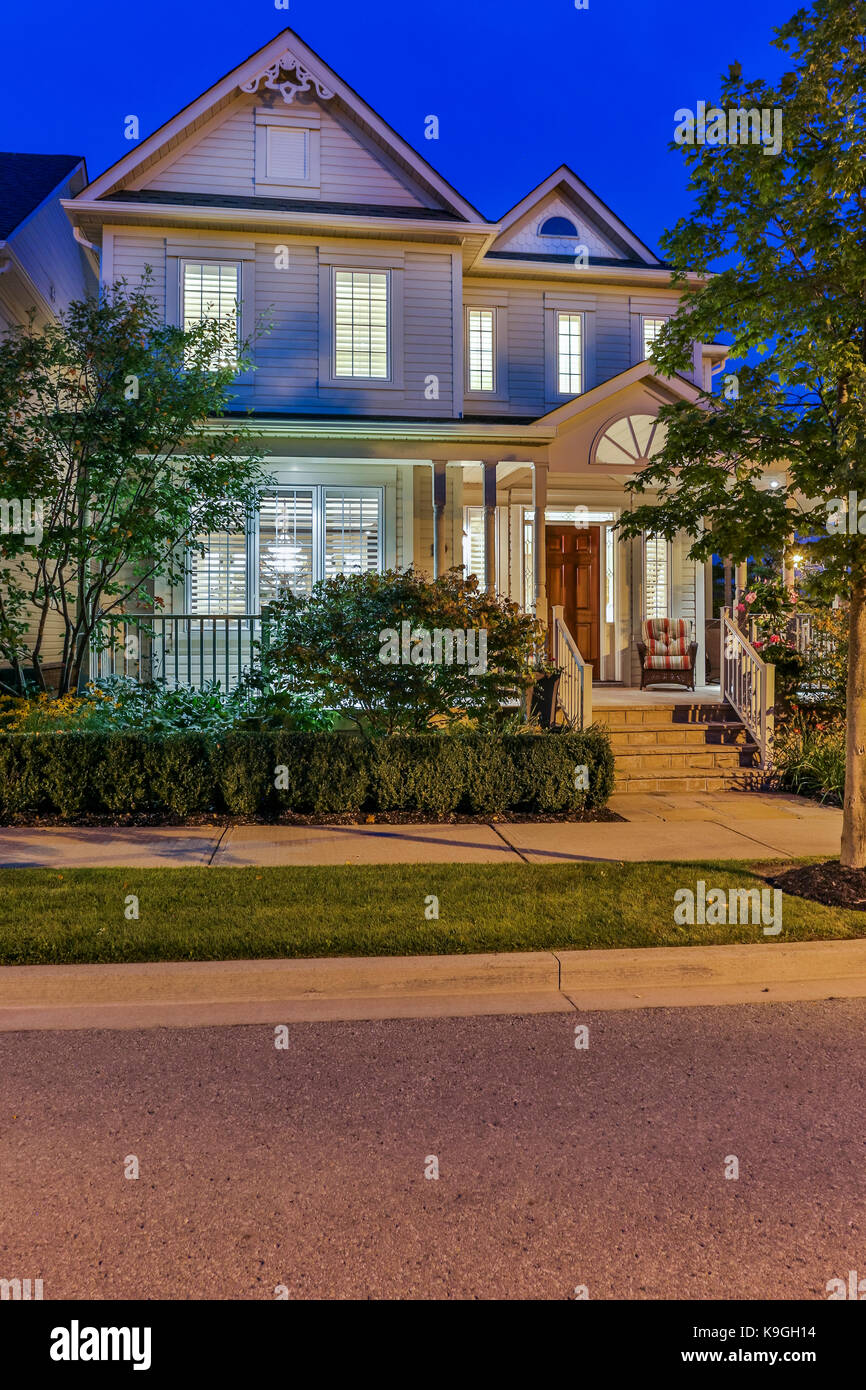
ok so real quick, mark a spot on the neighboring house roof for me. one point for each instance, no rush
(26, 180)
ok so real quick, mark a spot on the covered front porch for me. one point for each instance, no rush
(530, 508)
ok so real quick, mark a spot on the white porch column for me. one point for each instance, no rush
(742, 581)
(489, 466)
(700, 622)
(539, 555)
(439, 503)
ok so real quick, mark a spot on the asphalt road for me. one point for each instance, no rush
(558, 1167)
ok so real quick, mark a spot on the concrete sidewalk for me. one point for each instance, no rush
(728, 825)
(203, 993)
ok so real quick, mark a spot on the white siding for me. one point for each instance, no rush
(133, 251)
(428, 331)
(52, 257)
(353, 169)
(222, 161)
(288, 356)
(683, 581)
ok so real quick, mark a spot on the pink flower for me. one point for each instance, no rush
(758, 645)
(741, 608)
(750, 598)
(775, 637)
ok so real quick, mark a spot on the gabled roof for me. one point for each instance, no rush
(667, 388)
(284, 63)
(26, 180)
(565, 181)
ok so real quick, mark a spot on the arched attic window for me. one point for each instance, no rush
(632, 439)
(557, 226)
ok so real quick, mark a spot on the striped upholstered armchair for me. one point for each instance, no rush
(667, 652)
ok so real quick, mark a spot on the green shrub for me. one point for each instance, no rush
(397, 652)
(180, 773)
(242, 768)
(262, 773)
(809, 757)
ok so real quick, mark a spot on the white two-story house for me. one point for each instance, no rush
(435, 389)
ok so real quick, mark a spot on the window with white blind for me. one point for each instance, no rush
(569, 350)
(286, 546)
(473, 542)
(210, 291)
(657, 572)
(288, 149)
(481, 349)
(217, 576)
(352, 532)
(652, 327)
(287, 154)
(361, 324)
(299, 536)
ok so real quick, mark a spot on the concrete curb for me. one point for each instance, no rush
(196, 994)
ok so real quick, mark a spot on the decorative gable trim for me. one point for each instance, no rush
(287, 63)
(266, 67)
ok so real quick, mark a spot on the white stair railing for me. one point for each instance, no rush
(575, 686)
(749, 685)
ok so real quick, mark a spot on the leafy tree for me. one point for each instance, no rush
(105, 444)
(789, 230)
(366, 646)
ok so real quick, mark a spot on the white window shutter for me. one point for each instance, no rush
(288, 154)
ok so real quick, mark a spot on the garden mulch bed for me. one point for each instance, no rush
(145, 821)
(826, 883)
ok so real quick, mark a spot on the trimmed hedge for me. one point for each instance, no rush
(75, 774)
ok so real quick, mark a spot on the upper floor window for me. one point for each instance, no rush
(569, 349)
(361, 324)
(652, 327)
(481, 349)
(558, 226)
(210, 292)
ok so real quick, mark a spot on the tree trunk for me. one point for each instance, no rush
(854, 814)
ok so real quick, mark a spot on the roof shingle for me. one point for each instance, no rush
(25, 180)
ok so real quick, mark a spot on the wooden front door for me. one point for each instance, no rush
(573, 580)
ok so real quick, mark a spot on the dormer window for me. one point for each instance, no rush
(558, 227)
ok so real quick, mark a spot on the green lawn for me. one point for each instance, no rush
(48, 917)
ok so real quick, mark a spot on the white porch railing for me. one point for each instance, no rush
(182, 649)
(575, 686)
(800, 629)
(749, 685)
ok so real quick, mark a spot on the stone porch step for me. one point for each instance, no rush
(629, 736)
(685, 757)
(627, 716)
(672, 780)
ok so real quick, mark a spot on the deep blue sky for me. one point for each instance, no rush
(520, 86)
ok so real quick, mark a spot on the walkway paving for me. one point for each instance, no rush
(727, 825)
